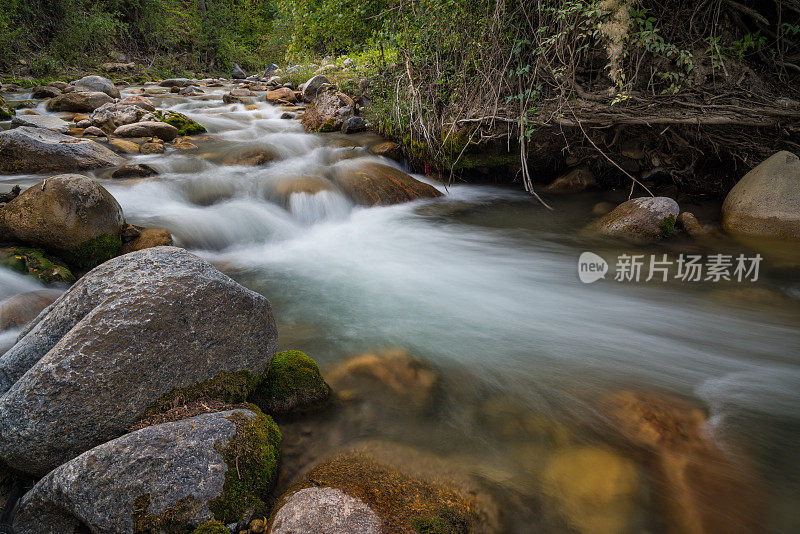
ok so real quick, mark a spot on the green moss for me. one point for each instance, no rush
(252, 460)
(184, 124)
(293, 382)
(667, 226)
(231, 388)
(6, 111)
(173, 520)
(36, 263)
(212, 527)
(443, 521)
(328, 126)
(95, 251)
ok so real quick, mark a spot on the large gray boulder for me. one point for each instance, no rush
(766, 201)
(313, 87)
(162, 130)
(38, 150)
(126, 334)
(325, 510)
(48, 122)
(80, 101)
(97, 84)
(111, 116)
(641, 220)
(177, 82)
(69, 215)
(165, 478)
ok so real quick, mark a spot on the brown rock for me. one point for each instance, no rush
(162, 130)
(148, 238)
(640, 220)
(251, 158)
(21, 309)
(283, 94)
(79, 101)
(371, 184)
(388, 149)
(328, 112)
(689, 224)
(126, 147)
(139, 101)
(574, 181)
(141, 170)
(152, 148)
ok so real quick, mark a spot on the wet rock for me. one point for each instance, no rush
(701, 489)
(595, 490)
(69, 215)
(165, 478)
(251, 157)
(687, 222)
(602, 208)
(97, 84)
(354, 125)
(191, 90)
(183, 145)
(19, 310)
(293, 384)
(45, 91)
(139, 101)
(371, 184)
(148, 238)
(94, 131)
(574, 181)
(388, 149)
(766, 201)
(288, 185)
(312, 87)
(126, 147)
(162, 130)
(176, 82)
(111, 116)
(282, 94)
(78, 101)
(37, 150)
(141, 170)
(41, 121)
(392, 378)
(327, 510)
(184, 124)
(328, 112)
(37, 263)
(6, 111)
(238, 73)
(641, 220)
(407, 490)
(152, 148)
(125, 335)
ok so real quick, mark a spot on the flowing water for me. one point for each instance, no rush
(483, 284)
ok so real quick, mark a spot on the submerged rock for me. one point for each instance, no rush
(69, 215)
(766, 201)
(328, 112)
(79, 101)
(170, 477)
(37, 150)
(19, 310)
(97, 83)
(388, 149)
(687, 222)
(641, 220)
(574, 181)
(293, 384)
(141, 170)
(374, 184)
(128, 333)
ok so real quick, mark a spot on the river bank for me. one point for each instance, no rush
(456, 325)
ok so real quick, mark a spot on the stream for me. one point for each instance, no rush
(483, 284)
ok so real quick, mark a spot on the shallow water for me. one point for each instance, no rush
(482, 283)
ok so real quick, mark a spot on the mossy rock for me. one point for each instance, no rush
(293, 383)
(252, 459)
(95, 251)
(230, 388)
(35, 262)
(6, 111)
(212, 527)
(172, 520)
(184, 124)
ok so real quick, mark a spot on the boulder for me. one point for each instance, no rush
(687, 222)
(37, 150)
(152, 148)
(48, 122)
(19, 310)
(126, 335)
(313, 86)
(148, 238)
(190, 90)
(69, 215)
(94, 131)
(162, 130)
(701, 488)
(140, 101)
(37, 263)
(328, 112)
(45, 91)
(238, 73)
(574, 181)
(370, 184)
(283, 94)
(328, 510)
(141, 170)
(82, 101)
(184, 124)
(408, 491)
(96, 84)
(176, 82)
(766, 201)
(354, 125)
(111, 116)
(388, 149)
(125, 147)
(170, 477)
(293, 383)
(6, 111)
(641, 220)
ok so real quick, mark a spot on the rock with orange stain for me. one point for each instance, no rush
(701, 489)
(374, 184)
